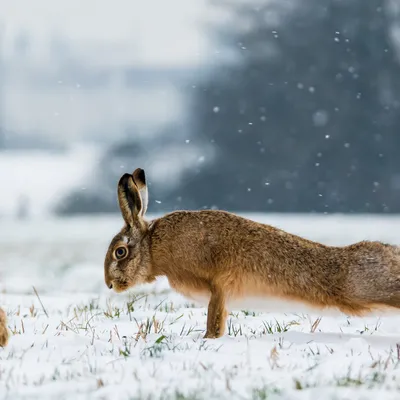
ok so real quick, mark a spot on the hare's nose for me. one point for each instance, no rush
(107, 280)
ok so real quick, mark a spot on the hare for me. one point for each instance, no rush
(3, 329)
(224, 257)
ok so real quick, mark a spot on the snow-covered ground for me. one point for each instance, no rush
(40, 179)
(85, 342)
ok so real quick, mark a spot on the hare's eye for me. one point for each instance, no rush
(120, 253)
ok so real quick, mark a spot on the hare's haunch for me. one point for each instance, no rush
(223, 257)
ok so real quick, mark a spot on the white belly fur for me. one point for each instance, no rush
(267, 304)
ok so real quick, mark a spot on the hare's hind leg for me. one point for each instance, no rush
(3, 329)
(217, 314)
(387, 297)
(388, 293)
(392, 301)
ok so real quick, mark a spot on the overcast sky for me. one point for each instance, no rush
(150, 33)
(147, 32)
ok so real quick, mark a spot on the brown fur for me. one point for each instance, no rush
(3, 329)
(223, 256)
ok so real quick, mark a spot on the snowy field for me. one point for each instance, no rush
(77, 340)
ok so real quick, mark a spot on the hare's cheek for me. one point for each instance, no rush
(115, 269)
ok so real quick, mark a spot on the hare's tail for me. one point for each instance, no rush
(3, 329)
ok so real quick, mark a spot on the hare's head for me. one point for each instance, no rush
(127, 262)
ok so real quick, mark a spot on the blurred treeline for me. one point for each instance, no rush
(309, 118)
(299, 111)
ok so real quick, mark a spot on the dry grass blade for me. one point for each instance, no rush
(40, 301)
(315, 324)
(274, 357)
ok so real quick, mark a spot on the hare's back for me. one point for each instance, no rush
(193, 233)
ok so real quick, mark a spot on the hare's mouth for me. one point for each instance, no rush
(119, 286)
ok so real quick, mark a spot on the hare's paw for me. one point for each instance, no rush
(212, 335)
(3, 329)
(3, 337)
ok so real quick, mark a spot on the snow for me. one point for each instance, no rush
(88, 342)
(41, 178)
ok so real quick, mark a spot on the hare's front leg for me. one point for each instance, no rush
(217, 314)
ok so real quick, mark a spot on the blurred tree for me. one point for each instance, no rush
(100, 194)
(22, 44)
(102, 198)
(307, 117)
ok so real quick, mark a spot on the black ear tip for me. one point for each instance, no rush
(139, 176)
(142, 175)
(124, 178)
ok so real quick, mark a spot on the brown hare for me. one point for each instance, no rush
(3, 329)
(224, 257)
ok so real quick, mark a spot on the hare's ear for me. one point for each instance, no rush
(129, 200)
(139, 178)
